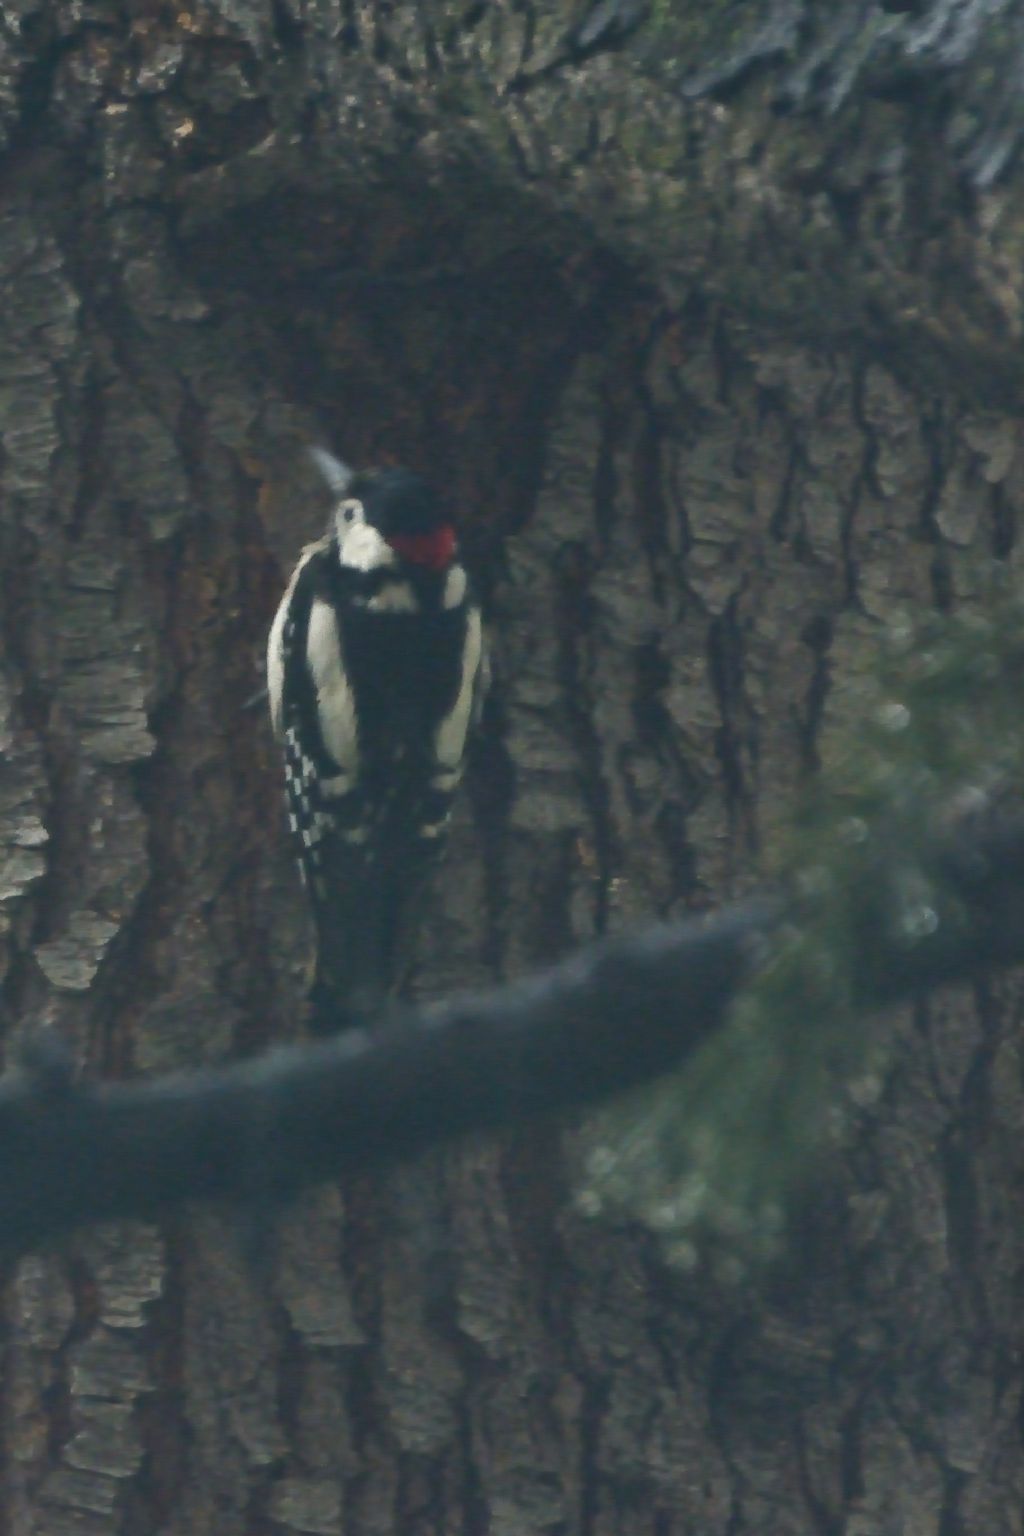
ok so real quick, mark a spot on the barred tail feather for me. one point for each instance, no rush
(352, 966)
(367, 912)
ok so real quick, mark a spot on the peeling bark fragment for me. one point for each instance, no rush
(104, 1440)
(545, 700)
(103, 682)
(70, 963)
(189, 1024)
(40, 335)
(419, 1380)
(147, 474)
(230, 1355)
(23, 836)
(75, 1489)
(308, 1504)
(43, 1304)
(997, 443)
(489, 1295)
(310, 1279)
(109, 1365)
(127, 1265)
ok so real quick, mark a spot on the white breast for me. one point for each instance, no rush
(335, 701)
(455, 587)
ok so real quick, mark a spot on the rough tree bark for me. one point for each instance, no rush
(718, 388)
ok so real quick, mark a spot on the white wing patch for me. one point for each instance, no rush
(275, 641)
(455, 587)
(275, 667)
(336, 706)
(450, 739)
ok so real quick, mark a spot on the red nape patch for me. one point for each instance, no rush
(434, 550)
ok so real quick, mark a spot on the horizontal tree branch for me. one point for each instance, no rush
(608, 1018)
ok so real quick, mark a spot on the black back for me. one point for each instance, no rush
(404, 668)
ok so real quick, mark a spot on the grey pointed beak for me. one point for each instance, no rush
(337, 475)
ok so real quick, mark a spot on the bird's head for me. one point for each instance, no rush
(384, 517)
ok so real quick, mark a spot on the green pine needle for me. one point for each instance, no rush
(711, 1158)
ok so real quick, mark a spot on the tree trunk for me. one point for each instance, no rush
(717, 391)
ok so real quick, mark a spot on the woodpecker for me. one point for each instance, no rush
(376, 669)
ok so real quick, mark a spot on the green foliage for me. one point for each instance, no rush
(712, 1158)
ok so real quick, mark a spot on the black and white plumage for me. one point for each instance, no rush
(375, 670)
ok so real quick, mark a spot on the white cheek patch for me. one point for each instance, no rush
(336, 705)
(346, 515)
(451, 733)
(362, 548)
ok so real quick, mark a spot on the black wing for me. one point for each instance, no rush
(333, 841)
